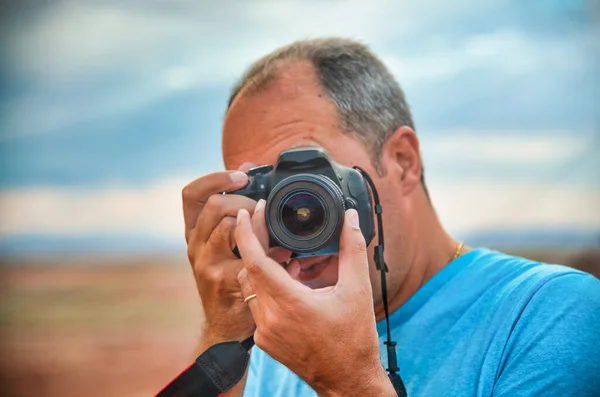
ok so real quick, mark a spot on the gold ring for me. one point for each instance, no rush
(249, 298)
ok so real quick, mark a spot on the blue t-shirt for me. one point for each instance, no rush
(488, 324)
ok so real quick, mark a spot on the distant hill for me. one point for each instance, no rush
(511, 239)
(534, 238)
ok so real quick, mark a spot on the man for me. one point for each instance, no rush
(469, 322)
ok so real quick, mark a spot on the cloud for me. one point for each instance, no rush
(155, 210)
(509, 148)
(77, 38)
(106, 82)
(501, 53)
(468, 208)
(89, 60)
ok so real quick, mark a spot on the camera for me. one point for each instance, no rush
(306, 196)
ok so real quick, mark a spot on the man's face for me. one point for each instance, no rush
(292, 111)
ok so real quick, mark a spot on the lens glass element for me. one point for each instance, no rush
(303, 215)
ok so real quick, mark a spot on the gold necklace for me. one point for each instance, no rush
(457, 253)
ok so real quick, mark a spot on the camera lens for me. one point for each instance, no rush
(303, 215)
(305, 212)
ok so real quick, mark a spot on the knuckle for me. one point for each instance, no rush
(213, 274)
(191, 253)
(268, 325)
(193, 247)
(187, 193)
(253, 268)
(213, 202)
(242, 277)
(203, 266)
(359, 247)
(259, 339)
(224, 229)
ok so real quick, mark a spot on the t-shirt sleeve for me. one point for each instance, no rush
(554, 347)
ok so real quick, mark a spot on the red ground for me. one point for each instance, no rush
(96, 331)
(73, 327)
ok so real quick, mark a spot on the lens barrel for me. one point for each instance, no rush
(305, 212)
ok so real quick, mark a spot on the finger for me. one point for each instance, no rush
(222, 240)
(246, 167)
(259, 224)
(196, 193)
(279, 254)
(294, 268)
(247, 290)
(265, 274)
(216, 208)
(353, 262)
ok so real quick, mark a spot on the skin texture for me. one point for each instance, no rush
(292, 111)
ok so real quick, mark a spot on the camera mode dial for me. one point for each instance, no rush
(260, 170)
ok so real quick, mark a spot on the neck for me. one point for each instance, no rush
(427, 250)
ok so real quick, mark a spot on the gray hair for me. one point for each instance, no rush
(370, 102)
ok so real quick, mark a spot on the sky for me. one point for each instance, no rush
(108, 108)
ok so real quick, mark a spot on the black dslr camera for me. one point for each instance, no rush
(306, 196)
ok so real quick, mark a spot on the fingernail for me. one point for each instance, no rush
(239, 218)
(246, 167)
(259, 206)
(352, 217)
(238, 177)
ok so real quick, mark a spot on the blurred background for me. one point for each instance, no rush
(108, 108)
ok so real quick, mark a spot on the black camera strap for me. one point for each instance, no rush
(382, 267)
(214, 372)
(223, 365)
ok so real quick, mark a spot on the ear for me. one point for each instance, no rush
(402, 158)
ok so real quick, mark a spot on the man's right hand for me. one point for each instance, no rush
(209, 231)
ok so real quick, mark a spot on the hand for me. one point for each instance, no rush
(327, 336)
(209, 227)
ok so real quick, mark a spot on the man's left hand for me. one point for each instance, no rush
(327, 336)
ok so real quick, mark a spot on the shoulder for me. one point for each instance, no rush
(568, 300)
(525, 276)
(546, 319)
(535, 286)
(553, 330)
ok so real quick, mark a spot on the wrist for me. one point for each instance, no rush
(207, 341)
(209, 338)
(372, 383)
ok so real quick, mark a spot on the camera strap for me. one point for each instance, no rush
(213, 373)
(379, 259)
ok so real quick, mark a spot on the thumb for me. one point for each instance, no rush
(353, 262)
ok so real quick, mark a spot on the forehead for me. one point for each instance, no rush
(292, 110)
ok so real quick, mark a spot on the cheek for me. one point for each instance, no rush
(376, 283)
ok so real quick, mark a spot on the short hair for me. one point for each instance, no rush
(370, 102)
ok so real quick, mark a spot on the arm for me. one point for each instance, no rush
(554, 348)
(209, 225)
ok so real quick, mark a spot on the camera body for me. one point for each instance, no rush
(306, 196)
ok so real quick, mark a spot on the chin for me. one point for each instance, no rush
(319, 272)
